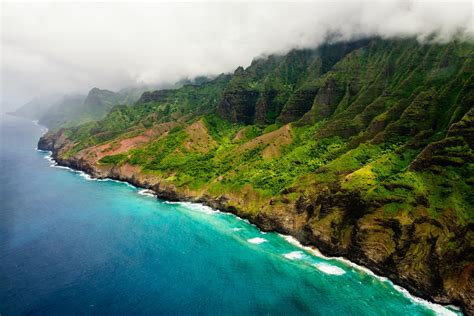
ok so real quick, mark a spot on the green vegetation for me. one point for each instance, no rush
(362, 113)
(368, 139)
(113, 159)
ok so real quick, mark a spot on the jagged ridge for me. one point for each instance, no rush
(363, 149)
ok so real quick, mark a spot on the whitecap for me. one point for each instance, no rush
(49, 157)
(84, 175)
(292, 240)
(326, 268)
(329, 269)
(61, 167)
(257, 240)
(197, 207)
(236, 229)
(146, 192)
(294, 255)
(243, 219)
(437, 308)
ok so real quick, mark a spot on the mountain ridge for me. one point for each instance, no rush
(363, 149)
(71, 110)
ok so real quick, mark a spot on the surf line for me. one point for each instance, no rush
(437, 308)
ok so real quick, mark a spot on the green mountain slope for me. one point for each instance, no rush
(36, 107)
(363, 149)
(72, 110)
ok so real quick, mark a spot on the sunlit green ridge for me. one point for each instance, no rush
(362, 148)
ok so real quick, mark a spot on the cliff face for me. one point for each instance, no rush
(410, 250)
(362, 149)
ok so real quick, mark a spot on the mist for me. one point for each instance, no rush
(69, 48)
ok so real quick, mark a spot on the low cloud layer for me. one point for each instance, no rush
(72, 47)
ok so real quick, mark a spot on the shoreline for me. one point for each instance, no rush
(426, 300)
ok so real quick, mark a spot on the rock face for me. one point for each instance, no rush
(363, 149)
(239, 106)
(99, 102)
(409, 250)
(298, 104)
(283, 88)
(158, 95)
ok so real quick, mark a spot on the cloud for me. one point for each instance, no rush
(72, 47)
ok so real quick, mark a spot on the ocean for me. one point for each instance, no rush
(73, 245)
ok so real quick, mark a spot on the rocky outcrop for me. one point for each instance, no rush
(408, 249)
(299, 103)
(374, 161)
(238, 106)
(154, 96)
(100, 99)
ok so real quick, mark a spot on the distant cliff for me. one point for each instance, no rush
(71, 110)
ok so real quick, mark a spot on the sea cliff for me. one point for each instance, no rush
(424, 281)
(363, 149)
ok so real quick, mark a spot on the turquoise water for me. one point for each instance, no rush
(69, 245)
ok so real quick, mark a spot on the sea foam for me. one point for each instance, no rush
(146, 192)
(257, 240)
(326, 268)
(197, 207)
(329, 269)
(436, 308)
(294, 255)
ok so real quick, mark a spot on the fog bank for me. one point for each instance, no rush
(72, 47)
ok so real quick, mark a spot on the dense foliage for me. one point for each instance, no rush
(367, 144)
(362, 112)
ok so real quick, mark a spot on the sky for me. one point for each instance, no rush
(71, 47)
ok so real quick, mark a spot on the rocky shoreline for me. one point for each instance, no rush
(264, 222)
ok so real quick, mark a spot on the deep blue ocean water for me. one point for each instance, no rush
(69, 245)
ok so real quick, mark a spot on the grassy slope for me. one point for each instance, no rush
(371, 141)
(402, 92)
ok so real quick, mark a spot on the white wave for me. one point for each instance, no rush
(88, 177)
(116, 181)
(329, 269)
(236, 229)
(243, 220)
(49, 157)
(257, 240)
(197, 207)
(84, 175)
(147, 192)
(296, 243)
(61, 167)
(294, 255)
(437, 308)
(52, 162)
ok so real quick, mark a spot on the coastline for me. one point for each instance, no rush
(218, 205)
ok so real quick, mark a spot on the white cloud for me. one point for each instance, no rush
(69, 47)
